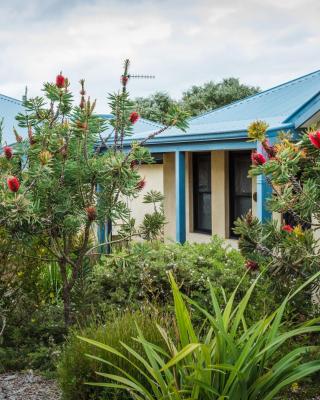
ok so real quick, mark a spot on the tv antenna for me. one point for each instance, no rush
(126, 75)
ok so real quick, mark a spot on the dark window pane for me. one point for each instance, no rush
(204, 216)
(242, 182)
(202, 192)
(242, 206)
(240, 186)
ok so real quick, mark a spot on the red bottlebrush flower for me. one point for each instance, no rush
(257, 158)
(287, 228)
(134, 116)
(124, 79)
(91, 213)
(13, 184)
(251, 265)
(60, 81)
(141, 184)
(315, 139)
(8, 152)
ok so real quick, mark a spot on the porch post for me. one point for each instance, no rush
(264, 191)
(180, 197)
(102, 237)
(104, 233)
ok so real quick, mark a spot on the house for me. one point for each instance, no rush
(203, 172)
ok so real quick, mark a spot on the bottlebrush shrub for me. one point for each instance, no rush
(66, 168)
(289, 248)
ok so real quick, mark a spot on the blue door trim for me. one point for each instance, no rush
(180, 197)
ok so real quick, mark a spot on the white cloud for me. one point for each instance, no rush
(181, 42)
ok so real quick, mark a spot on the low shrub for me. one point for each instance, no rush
(133, 277)
(74, 368)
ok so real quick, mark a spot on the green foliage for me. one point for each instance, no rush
(212, 95)
(68, 184)
(133, 277)
(226, 358)
(74, 368)
(290, 249)
(196, 100)
(153, 224)
(154, 107)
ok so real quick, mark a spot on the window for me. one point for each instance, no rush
(202, 192)
(240, 186)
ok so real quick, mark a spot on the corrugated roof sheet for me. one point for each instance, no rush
(9, 108)
(275, 106)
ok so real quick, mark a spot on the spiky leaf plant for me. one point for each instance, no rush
(225, 359)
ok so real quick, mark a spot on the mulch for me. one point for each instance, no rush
(27, 386)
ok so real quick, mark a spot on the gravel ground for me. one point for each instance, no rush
(16, 386)
(27, 386)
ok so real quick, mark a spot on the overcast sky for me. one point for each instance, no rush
(262, 42)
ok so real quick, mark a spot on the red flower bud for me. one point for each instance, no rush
(251, 265)
(13, 184)
(270, 150)
(16, 134)
(257, 158)
(91, 213)
(133, 164)
(82, 103)
(287, 228)
(134, 116)
(124, 79)
(8, 152)
(60, 81)
(315, 139)
(30, 135)
(141, 184)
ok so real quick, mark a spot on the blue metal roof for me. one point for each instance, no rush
(281, 107)
(139, 128)
(286, 106)
(9, 108)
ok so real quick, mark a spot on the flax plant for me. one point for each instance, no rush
(225, 359)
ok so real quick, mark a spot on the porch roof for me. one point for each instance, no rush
(285, 107)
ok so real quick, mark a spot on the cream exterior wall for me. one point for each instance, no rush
(153, 174)
(162, 178)
(169, 187)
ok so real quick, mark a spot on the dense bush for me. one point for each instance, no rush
(75, 368)
(135, 276)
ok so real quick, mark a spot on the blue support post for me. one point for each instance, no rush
(264, 191)
(180, 197)
(104, 235)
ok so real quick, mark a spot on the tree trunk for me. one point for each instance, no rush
(66, 297)
(66, 294)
